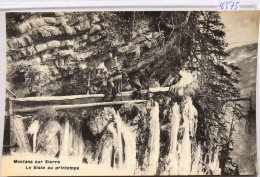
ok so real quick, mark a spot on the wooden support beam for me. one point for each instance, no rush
(33, 104)
(241, 99)
(10, 146)
(11, 92)
(73, 97)
(60, 107)
(11, 114)
(56, 98)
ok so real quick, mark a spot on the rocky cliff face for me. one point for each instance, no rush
(71, 53)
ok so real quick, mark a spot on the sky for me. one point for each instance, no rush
(241, 27)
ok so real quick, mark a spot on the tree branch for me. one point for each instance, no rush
(174, 27)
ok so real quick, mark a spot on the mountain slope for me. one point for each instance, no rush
(244, 153)
(245, 57)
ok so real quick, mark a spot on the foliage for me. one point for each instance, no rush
(202, 49)
(30, 75)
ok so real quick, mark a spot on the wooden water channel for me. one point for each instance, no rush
(15, 131)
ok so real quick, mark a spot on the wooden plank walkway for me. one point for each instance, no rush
(72, 97)
(73, 106)
(33, 104)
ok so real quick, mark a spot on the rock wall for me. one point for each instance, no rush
(71, 53)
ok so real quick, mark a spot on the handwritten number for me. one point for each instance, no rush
(228, 5)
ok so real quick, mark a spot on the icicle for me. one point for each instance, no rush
(21, 135)
(128, 151)
(33, 130)
(154, 140)
(175, 122)
(81, 145)
(214, 163)
(192, 113)
(65, 142)
(106, 155)
(112, 129)
(195, 165)
(190, 126)
(200, 169)
(185, 156)
(119, 139)
(75, 142)
(71, 139)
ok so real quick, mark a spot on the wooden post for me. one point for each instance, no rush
(11, 115)
(88, 83)
(121, 88)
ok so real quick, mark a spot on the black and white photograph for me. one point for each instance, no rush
(130, 93)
